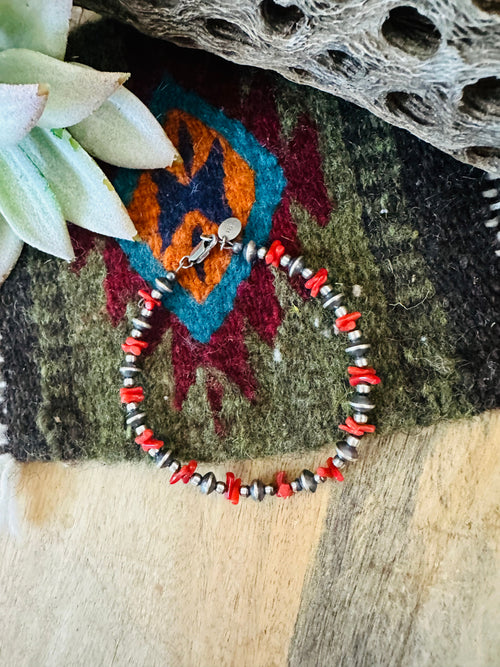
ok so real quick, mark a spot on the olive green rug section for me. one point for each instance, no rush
(283, 386)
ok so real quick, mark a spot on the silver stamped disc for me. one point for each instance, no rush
(229, 229)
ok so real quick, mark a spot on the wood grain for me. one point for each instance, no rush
(397, 566)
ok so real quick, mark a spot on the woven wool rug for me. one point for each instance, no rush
(244, 365)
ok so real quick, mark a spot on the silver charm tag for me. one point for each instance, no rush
(229, 229)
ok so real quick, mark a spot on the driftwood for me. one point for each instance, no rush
(432, 67)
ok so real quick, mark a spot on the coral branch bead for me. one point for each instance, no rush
(317, 281)
(354, 428)
(149, 301)
(284, 488)
(134, 346)
(131, 394)
(347, 322)
(275, 253)
(330, 471)
(147, 441)
(184, 473)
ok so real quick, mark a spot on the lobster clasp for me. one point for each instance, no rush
(203, 249)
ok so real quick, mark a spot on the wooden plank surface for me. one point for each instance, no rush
(397, 566)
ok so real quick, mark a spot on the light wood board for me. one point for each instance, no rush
(399, 565)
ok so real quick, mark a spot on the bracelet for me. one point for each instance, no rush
(361, 376)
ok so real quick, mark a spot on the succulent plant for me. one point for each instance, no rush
(53, 114)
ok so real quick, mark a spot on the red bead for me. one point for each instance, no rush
(330, 471)
(184, 473)
(233, 488)
(356, 370)
(147, 441)
(317, 281)
(149, 301)
(347, 322)
(284, 489)
(354, 428)
(134, 346)
(132, 394)
(275, 253)
(367, 378)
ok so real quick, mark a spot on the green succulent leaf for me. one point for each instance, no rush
(75, 92)
(84, 193)
(124, 132)
(40, 25)
(21, 105)
(10, 249)
(29, 206)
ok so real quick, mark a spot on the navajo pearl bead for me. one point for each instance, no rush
(156, 294)
(363, 388)
(295, 267)
(244, 491)
(221, 487)
(174, 466)
(296, 485)
(208, 483)
(269, 490)
(360, 418)
(354, 335)
(257, 490)
(195, 479)
(146, 313)
(128, 382)
(237, 247)
(307, 481)
(163, 459)
(340, 311)
(352, 441)
(135, 333)
(285, 261)
(130, 358)
(250, 252)
(338, 462)
(262, 252)
(307, 273)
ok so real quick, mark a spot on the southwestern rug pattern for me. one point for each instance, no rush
(243, 364)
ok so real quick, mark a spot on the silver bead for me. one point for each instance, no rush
(362, 362)
(131, 407)
(165, 285)
(352, 441)
(174, 466)
(307, 273)
(295, 267)
(262, 252)
(361, 403)
(153, 452)
(244, 491)
(296, 486)
(338, 462)
(195, 479)
(128, 382)
(221, 487)
(269, 490)
(250, 252)
(257, 490)
(333, 301)
(135, 418)
(129, 371)
(236, 248)
(139, 324)
(171, 277)
(354, 335)
(135, 333)
(340, 311)
(140, 429)
(307, 481)
(163, 459)
(146, 313)
(285, 261)
(363, 388)
(325, 290)
(130, 358)
(346, 452)
(360, 418)
(156, 294)
(358, 348)
(208, 483)
(318, 479)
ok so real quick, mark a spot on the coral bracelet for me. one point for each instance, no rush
(361, 376)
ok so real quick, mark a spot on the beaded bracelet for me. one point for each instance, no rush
(362, 377)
